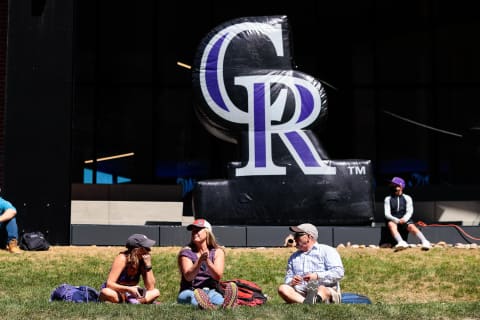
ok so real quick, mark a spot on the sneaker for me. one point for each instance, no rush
(230, 295)
(402, 245)
(426, 245)
(312, 293)
(203, 300)
(336, 297)
(131, 299)
(12, 247)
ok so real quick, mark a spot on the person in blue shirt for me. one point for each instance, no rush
(8, 223)
(398, 209)
(313, 272)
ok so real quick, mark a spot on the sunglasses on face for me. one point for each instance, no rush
(300, 240)
(299, 234)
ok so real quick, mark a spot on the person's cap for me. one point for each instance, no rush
(200, 223)
(398, 181)
(307, 228)
(139, 240)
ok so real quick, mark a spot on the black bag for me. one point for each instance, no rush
(34, 241)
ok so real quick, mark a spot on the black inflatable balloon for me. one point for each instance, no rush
(227, 59)
(247, 91)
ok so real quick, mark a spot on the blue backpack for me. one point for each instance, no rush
(78, 294)
(350, 297)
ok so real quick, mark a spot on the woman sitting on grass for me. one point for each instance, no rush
(201, 265)
(128, 266)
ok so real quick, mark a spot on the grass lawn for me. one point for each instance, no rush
(443, 283)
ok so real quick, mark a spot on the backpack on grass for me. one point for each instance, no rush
(34, 241)
(349, 297)
(70, 293)
(249, 292)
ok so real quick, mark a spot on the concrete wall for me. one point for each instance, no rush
(256, 236)
(128, 212)
(105, 212)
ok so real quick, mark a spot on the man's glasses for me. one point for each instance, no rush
(300, 240)
(299, 234)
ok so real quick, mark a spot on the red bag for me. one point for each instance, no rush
(249, 292)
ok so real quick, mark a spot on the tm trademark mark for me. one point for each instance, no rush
(354, 170)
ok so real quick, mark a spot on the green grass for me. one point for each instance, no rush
(443, 283)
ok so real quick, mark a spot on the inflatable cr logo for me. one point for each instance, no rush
(246, 88)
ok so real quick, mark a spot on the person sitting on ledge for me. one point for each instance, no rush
(398, 209)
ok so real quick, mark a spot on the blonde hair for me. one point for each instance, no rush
(212, 242)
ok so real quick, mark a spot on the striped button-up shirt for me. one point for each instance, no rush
(323, 260)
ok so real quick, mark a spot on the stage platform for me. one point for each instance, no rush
(260, 236)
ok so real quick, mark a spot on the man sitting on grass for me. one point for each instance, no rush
(314, 271)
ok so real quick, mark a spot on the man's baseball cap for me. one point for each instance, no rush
(398, 181)
(139, 240)
(307, 228)
(200, 223)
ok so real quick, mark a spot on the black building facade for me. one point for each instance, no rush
(89, 80)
